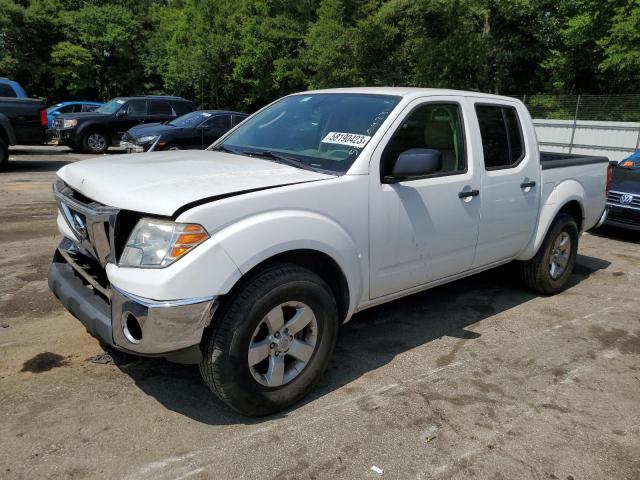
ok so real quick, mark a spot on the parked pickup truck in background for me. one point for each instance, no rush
(96, 131)
(11, 89)
(246, 257)
(23, 121)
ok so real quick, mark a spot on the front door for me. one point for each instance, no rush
(133, 113)
(214, 128)
(424, 229)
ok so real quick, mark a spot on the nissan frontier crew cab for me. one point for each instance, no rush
(246, 257)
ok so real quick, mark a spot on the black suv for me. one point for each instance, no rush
(95, 131)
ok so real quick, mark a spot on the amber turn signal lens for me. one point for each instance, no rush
(188, 237)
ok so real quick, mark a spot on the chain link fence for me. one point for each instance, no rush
(590, 124)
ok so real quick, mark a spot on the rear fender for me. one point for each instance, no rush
(554, 199)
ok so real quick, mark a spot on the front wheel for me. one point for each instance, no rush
(271, 340)
(95, 142)
(549, 271)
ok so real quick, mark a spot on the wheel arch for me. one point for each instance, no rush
(302, 237)
(572, 206)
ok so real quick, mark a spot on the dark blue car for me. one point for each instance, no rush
(195, 130)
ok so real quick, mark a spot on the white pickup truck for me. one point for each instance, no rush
(245, 258)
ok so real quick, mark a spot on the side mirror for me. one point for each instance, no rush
(121, 113)
(415, 163)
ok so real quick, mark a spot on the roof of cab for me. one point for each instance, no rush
(409, 92)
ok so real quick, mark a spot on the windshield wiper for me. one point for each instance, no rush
(222, 148)
(278, 157)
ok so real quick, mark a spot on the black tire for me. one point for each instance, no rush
(172, 146)
(225, 346)
(536, 273)
(95, 142)
(4, 155)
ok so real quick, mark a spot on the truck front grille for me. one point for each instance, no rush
(93, 224)
(58, 123)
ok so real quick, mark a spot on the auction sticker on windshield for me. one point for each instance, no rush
(348, 139)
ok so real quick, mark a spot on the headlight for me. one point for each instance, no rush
(147, 139)
(158, 243)
(70, 123)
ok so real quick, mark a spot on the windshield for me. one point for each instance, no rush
(190, 120)
(57, 105)
(110, 107)
(323, 130)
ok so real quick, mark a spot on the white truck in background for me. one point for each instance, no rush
(245, 258)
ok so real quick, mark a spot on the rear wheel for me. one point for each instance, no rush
(549, 271)
(4, 155)
(272, 340)
(95, 142)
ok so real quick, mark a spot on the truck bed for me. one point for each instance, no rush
(558, 160)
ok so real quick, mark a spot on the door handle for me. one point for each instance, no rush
(470, 193)
(524, 185)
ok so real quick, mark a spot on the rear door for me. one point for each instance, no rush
(160, 111)
(510, 182)
(424, 229)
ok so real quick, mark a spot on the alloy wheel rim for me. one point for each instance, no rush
(560, 255)
(283, 344)
(96, 141)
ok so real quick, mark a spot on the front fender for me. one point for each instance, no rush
(260, 237)
(554, 199)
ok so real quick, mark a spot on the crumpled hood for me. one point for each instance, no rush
(162, 182)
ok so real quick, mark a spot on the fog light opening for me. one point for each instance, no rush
(131, 328)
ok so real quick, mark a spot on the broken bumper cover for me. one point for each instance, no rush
(170, 329)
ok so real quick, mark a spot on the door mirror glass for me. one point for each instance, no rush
(415, 163)
(121, 113)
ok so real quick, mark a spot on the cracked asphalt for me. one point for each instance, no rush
(476, 379)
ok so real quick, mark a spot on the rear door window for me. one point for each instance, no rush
(161, 108)
(502, 141)
(182, 107)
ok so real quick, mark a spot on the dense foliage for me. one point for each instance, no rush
(244, 53)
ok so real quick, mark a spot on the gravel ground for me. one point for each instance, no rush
(476, 379)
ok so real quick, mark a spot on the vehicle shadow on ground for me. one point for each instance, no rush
(615, 233)
(369, 341)
(34, 165)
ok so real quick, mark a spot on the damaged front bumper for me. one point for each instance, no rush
(171, 329)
